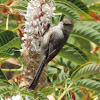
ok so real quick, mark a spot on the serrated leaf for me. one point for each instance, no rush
(81, 5)
(64, 62)
(96, 7)
(19, 7)
(74, 54)
(86, 32)
(61, 76)
(5, 1)
(41, 96)
(8, 88)
(87, 83)
(52, 70)
(86, 70)
(77, 8)
(6, 36)
(92, 24)
(90, 2)
(29, 94)
(47, 91)
(2, 75)
(78, 93)
(10, 53)
(9, 43)
(66, 10)
(14, 43)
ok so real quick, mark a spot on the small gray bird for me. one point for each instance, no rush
(52, 43)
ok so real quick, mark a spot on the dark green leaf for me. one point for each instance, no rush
(81, 5)
(9, 43)
(2, 75)
(74, 54)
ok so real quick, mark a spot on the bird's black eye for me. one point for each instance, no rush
(67, 24)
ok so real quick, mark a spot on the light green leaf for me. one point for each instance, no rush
(41, 96)
(78, 93)
(66, 10)
(19, 7)
(47, 91)
(90, 2)
(93, 24)
(74, 54)
(86, 70)
(77, 6)
(87, 32)
(87, 83)
(95, 7)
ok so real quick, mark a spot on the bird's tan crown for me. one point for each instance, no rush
(67, 21)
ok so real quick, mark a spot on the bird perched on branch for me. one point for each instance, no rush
(52, 43)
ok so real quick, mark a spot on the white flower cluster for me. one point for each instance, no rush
(37, 17)
(17, 97)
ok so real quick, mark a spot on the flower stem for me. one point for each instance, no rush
(17, 28)
(20, 69)
(7, 22)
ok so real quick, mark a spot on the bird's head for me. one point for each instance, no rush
(67, 24)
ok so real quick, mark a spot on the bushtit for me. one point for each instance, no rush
(52, 43)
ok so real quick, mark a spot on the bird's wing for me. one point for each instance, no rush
(54, 47)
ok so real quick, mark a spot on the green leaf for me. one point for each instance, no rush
(78, 93)
(8, 88)
(81, 5)
(41, 96)
(93, 24)
(12, 25)
(87, 83)
(86, 70)
(47, 91)
(4, 90)
(66, 10)
(74, 54)
(6, 36)
(10, 53)
(14, 43)
(64, 62)
(9, 43)
(61, 76)
(74, 7)
(52, 70)
(95, 7)
(90, 2)
(2, 75)
(5, 1)
(84, 44)
(27, 93)
(85, 31)
(19, 7)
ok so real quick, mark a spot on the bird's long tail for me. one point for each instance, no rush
(38, 73)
